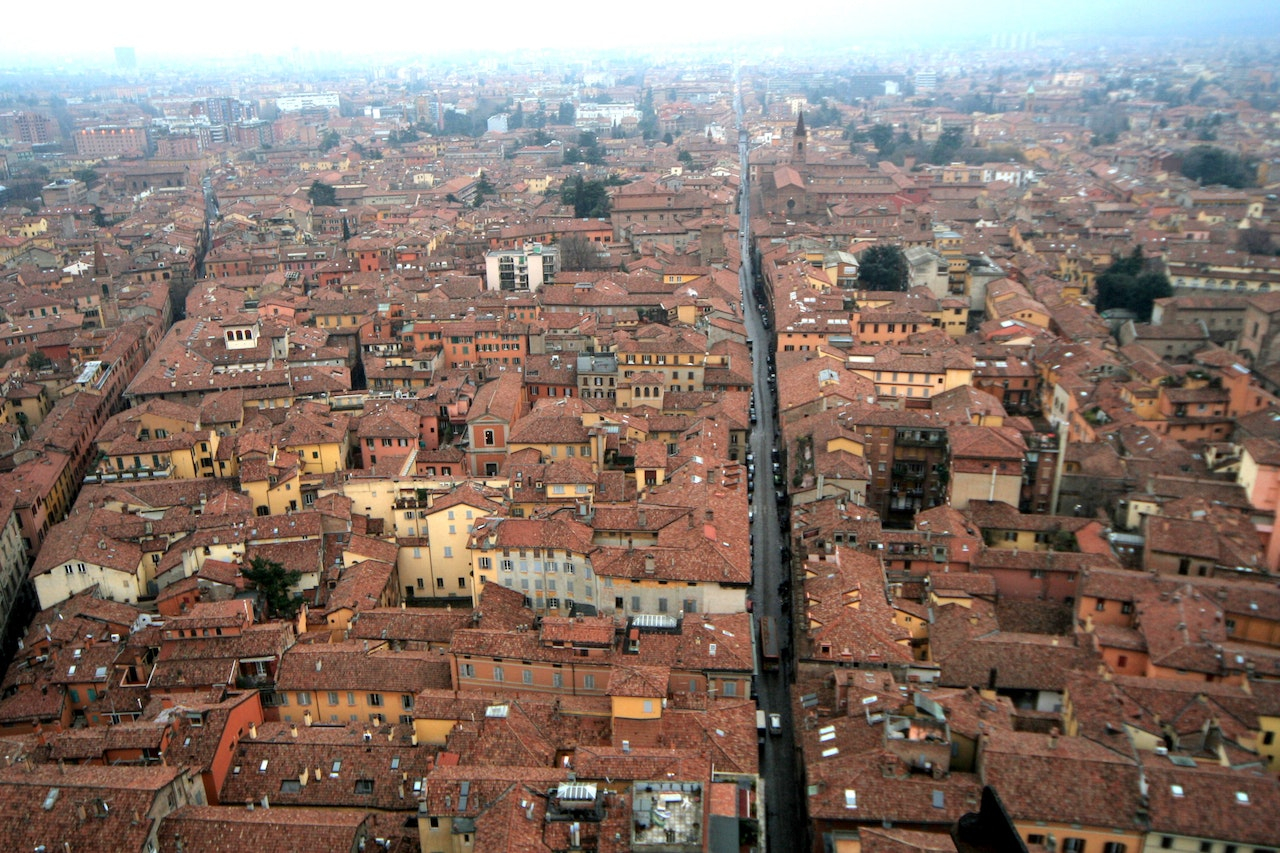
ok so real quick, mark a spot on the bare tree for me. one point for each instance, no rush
(578, 254)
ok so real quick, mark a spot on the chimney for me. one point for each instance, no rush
(306, 719)
(319, 664)
(649, 567)
(293, 731)
(253, 730)
(1053, 738)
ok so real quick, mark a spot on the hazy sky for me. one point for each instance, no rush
(78, 28)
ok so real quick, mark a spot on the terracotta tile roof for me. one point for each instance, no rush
(882, 790)
(848, 612)
(903, 841)
(193, 674)
(43, 803)
(1183, 629)
(502, 609)
(579, 630)
(394, 624)
(217, 829)
(972, 652)
(81, 537)
(360, 586)
(92, 744)
(500, 399)
(198, 747)
(382, 759)
(1002, 516)
(986, 442)
(40, 702)
(639, 763)
(557, 531)
(346, 666)
(972, 583)
(1239, 806)
(639, 681)
(1106, 794)
(1192, 718)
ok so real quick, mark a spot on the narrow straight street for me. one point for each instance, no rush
(785, 820)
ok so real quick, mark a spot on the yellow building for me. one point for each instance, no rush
(158, 438)
(556, 430)
(26, 405)
(319, 438)
(1267, 695)
(903, 373)
(270, 479)
(78, 555)
(952, 316)
(677, 355)
(440, 566)
(387, 498)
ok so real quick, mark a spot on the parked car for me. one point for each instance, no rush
(775, 724)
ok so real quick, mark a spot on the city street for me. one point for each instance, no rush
(786, 823)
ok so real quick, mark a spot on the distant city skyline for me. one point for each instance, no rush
(237, 28)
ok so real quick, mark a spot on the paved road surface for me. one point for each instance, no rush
(785, 819)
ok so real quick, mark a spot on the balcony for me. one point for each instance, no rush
(144, 472)
(254, 682)
(920, 438)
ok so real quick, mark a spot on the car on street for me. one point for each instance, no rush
(775, 724)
